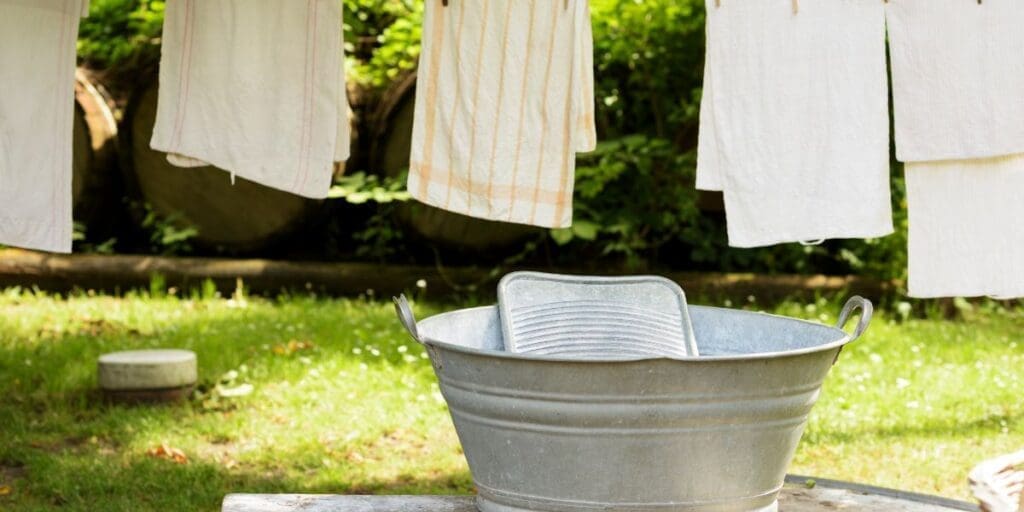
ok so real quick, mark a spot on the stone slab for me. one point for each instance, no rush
(137, 370)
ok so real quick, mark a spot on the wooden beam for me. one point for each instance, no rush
(791, 499)
(62, 273)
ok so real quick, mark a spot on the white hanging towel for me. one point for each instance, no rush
(37, 79)
(255, 88)
(504, 100)
(957, 78)
(797, 104)
(965, 234)
(709, 171)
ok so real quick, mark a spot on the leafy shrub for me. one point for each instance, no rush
(392, 35)
(121, 33)
(614, 200)
(649, 61)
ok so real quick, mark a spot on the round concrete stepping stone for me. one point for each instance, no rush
(148, 375)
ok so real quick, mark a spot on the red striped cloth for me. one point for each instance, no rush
(505, 98)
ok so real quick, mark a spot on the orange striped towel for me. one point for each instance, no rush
(255, 88)
(505, 99)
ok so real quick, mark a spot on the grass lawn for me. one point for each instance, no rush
(345, 402)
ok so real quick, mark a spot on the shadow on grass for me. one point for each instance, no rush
(146, 483)
(65, 446)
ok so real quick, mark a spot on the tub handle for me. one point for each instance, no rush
(405, 316)
(853, 304)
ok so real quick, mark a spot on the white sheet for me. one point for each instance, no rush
(957, 78)
(966, 238)
(799, 114)
(37, 78)
(255, 88)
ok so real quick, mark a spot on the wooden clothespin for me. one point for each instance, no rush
(796, 6)
(444, 3)
(718, 3)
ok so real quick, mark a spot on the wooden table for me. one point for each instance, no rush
(824, 496)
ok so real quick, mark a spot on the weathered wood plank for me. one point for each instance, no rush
(792, 499)
(338, 503)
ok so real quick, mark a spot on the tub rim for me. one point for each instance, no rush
(852, 304)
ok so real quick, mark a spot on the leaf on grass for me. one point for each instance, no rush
(236, 391)
(292, 347)
(5, 490)
(165, 451)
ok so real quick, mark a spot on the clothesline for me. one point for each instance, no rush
(794, 117)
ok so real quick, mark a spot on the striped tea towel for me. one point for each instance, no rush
(37, 79)
(255, 88)
(504, 100)
(957, 78)
(794, 120)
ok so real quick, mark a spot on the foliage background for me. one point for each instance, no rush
(635, 206)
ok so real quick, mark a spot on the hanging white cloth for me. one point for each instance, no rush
(255, 88)
(794, 120)
(958, 85)
(965, 236)
(957, 78)
(505, 99)
(709, 169)
(37, 79)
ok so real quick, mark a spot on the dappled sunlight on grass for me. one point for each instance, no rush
(343, 401)
(916, 403)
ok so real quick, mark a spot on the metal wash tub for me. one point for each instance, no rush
(713, 433)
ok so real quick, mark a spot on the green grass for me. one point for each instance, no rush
(352, 406)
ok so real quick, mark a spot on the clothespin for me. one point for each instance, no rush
(796, 6)
(444, 3)
(718, 3)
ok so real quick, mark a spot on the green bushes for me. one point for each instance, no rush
(384, 38)
(121, 32)
(649, 59)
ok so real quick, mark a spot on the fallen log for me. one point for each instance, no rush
(96, 186)
(112, 273)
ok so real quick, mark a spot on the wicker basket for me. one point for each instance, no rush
(998, 484)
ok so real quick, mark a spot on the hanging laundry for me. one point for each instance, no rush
(37, 53)
(504, 100)
(794, 120)
(957, 78)
(709, 169)
(255, 88)
(965, 236)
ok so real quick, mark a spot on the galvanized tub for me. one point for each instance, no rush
(713, 433)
